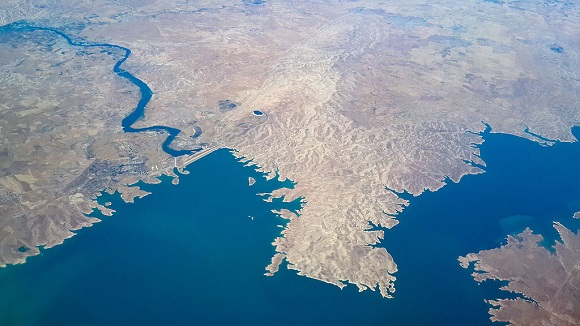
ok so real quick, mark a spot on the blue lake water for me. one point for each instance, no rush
(189, 254)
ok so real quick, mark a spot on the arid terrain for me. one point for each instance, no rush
(361, 101)
(548, 283)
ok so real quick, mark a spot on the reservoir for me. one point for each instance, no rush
(190, 254)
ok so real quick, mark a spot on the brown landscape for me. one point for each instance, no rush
(548, 283)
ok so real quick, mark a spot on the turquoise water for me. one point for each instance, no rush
(189, 254)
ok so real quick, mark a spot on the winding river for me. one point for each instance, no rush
(146, 92)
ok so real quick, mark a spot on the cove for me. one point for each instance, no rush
(146, 92)
(524, 185)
